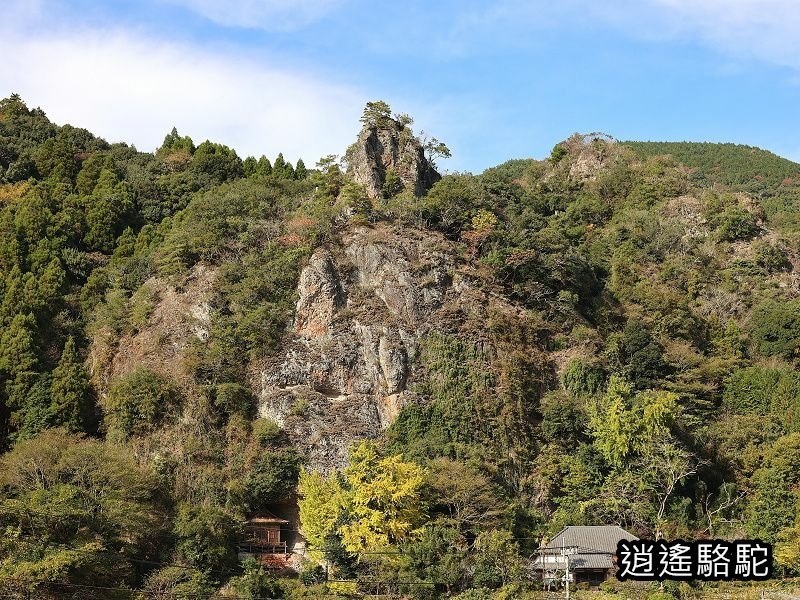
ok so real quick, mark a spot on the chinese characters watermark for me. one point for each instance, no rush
(709, 560)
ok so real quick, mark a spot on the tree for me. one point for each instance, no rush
(625, 424)
(637, 355)
(465, 495)
(70, 399)
(322, 504)
(300, 171)
(434, 149)
(272, 478)
(250, 165)
(385, 499)
(497, 558)
(376, 114)
(208, 537)
(173, 142)
(264, 166)
(75, 511)
(377, 504)
(216, 163)
(775, 328)
(665, 467)
(138, 402)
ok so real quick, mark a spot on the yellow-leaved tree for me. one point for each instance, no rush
(375, 502)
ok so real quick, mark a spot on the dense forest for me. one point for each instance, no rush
(615, 340)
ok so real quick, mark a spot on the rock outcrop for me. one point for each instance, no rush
(361, 314)
(388, 155)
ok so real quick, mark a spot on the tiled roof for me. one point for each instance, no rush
(594, 545)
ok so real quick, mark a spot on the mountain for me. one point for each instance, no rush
(423, 376)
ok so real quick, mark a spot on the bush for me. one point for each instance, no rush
(272, 478)
(267, 432)
(736, 223)
(764, 391)
(234, 399)
(312, 573)
(256, 582)
(771, 257)
(582, 378)
(138, 403)
(775, 328)
(208, 537)
(563, 421)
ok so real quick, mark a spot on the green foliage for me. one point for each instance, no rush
(582, 378)
(75, 511)
(564, 420)
(775, 328)
(735, 223)
(216, 163)
(234, 399)
(636, 355)
(71, 403)
(376, 114)
(138, 403)
(256, 582)
(725, 163)
(765, 391)
(272, 478)
(625, 424)
(207, 537)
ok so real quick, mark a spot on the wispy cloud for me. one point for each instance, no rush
(768, 30)
(129, 87)
(269, 15)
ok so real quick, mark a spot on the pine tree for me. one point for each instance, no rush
(18, 346)
(300, 171)
(279, 166)
(250, 165)
(264, 166)
(69, 404)
(18, 363)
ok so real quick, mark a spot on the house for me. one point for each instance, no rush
(263, 536)
(585, 552)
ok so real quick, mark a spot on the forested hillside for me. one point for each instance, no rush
(425, 376)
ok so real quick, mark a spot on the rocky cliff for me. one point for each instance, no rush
(387, 159)
(362, 311)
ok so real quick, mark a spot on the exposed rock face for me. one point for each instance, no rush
(320, 296)
(177, 316)
(390, 148)
(360, 316)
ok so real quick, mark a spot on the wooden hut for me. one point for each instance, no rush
(262, 535)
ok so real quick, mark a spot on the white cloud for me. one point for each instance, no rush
(270, 15)
(768, 30)
(127, 87)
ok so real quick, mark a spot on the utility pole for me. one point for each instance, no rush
(566, 556)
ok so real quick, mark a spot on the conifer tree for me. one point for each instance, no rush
(279, 167)
(300, 171)
(69, 404)
(250, 165)
(264, 166)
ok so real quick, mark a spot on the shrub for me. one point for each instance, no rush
(763, 391)
(771, 257)
(234, 399)
(582, 378)
(736, 223)
(208, 537)
(267, 432)
(138, 403)
(775, 328)
(272, 478)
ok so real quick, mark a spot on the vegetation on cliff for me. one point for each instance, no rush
(634, 361)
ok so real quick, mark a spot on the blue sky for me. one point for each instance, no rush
(495, 80)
